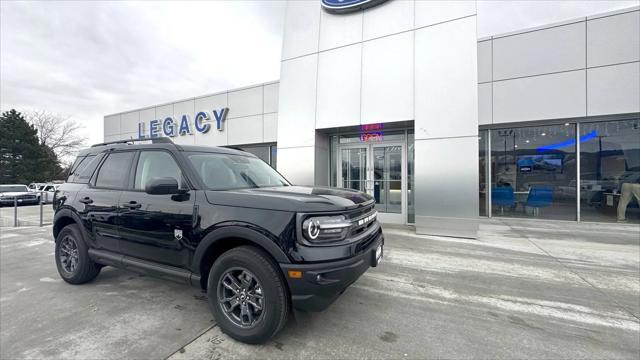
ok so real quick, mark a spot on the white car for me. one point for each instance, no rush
(36, 186)
(10, 193)
(49, 191)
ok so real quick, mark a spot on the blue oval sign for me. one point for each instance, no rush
(345, 6)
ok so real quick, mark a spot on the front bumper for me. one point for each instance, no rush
(322, 283)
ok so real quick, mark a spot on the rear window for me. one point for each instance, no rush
(74, 167)
(83, 168)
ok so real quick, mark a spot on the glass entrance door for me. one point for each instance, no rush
(354, 168)
(379, 170)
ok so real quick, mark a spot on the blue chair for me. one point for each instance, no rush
(539, 197)
(503, 197)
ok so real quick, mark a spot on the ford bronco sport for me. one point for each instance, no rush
(218, 219)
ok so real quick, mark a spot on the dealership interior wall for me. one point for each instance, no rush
(404, 102)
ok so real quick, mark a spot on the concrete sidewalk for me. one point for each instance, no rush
(522, 290)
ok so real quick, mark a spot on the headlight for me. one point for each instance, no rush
(323, 229)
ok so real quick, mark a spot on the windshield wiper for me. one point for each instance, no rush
(249, 181)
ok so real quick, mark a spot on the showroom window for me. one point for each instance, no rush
(533, 172)
(483, 138)
(267, 153)
(610, 171)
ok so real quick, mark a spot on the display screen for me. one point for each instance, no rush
(540, 163)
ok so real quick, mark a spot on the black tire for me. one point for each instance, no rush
(275, 301)
(85, 269)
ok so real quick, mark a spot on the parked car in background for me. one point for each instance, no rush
(36, 186)
(48, 191)
(10, 193)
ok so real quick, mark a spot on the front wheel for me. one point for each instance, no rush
(247, 295)
(72, 257)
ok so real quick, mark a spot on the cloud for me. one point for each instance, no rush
(88, 59)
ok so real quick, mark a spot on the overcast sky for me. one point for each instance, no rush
(88, 59)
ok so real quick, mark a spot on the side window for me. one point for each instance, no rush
(156, 164)
(74, 168)
(114, 170)
(88, 167)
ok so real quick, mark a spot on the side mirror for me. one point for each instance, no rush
(163, 186)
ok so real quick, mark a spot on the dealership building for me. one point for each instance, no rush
(402, 100)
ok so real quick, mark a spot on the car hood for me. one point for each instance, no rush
(291, 198)
(16, 193)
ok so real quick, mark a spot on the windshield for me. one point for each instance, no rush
(13, 188)
(227, 171)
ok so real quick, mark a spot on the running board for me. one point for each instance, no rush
(144, 267)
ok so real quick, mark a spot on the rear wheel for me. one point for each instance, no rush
(247, 295)
(72, 257)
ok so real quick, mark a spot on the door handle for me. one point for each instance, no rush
(86, 200)
(132, 205)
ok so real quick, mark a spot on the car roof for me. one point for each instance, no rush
(133, 145)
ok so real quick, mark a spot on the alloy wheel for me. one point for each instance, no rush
(240, 296)
(69, 254)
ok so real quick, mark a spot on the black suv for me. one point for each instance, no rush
(218, 219)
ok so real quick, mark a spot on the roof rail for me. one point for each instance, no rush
(232, 147)
(158, 140)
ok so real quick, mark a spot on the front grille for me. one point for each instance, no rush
(361, 214)
(20, 197)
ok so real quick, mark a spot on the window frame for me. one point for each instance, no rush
(100, 157)
(134, 168)
(79, 160)
(96, 172)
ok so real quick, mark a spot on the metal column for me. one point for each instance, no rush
(578, 172)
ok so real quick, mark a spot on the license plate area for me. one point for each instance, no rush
(376, 256)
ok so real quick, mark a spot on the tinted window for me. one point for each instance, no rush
(156, 164)
(88, 166)
(74, 167)
(114, 170)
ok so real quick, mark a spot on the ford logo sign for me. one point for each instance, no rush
(345, 6)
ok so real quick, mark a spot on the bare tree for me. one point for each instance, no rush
(59, 133)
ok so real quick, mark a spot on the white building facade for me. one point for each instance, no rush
(403, 101)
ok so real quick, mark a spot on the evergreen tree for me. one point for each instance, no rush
(22, 158)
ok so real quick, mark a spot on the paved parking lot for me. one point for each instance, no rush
(523, 290)
(28, 215)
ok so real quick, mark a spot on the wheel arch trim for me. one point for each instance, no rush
(67, 213)
(235, 231)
